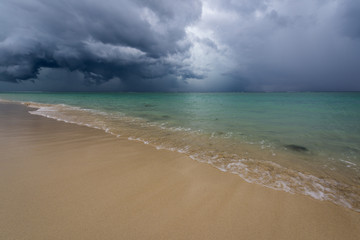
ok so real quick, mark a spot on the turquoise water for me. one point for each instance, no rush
(305, 143)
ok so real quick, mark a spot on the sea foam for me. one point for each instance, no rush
(251, 169)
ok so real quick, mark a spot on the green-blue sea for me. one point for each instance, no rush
(304, 143)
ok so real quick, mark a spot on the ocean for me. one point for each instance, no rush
(304, 143)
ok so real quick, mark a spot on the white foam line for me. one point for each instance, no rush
(348, 162)
(239, 168)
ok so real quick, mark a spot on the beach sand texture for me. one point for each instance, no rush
(63, 181)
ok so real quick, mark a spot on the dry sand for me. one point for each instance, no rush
(63, 181)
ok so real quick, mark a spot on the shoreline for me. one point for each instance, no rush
(61, 180)
(275, 173)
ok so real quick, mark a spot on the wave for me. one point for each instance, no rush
(204, 148)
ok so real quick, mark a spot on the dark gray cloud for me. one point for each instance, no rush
(280, 45)
(350, 18)
(129, 40)
(207, 45)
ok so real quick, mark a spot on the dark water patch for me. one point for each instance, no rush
(152, 118)
(296, 148)
(149, 105)
(218, 133)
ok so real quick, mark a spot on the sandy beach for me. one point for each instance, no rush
(63, 181)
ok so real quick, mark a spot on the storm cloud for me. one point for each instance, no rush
(209, 45)
(129, 40)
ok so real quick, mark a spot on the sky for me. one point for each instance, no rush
(188, 45)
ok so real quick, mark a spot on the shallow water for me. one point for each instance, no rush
(305, 143)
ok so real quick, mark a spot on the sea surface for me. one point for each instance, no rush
(305, 143)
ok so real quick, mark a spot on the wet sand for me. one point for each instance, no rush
(63, 181)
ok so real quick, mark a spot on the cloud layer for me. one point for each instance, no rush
(129, 40)
(209, 45)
